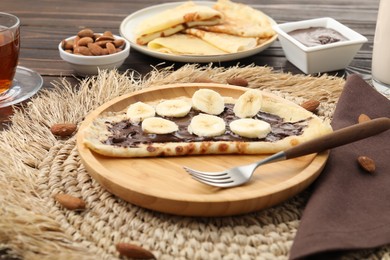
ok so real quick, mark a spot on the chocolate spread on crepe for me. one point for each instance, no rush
(126, 134)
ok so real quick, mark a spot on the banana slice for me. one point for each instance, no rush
(158, 125)
(248, 104)
(208, 101)
(139, 111)
(250, 128)
(207, 125)
(173, 108)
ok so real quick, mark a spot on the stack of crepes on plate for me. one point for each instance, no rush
(196, 29)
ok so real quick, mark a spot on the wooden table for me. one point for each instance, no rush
(46, 23)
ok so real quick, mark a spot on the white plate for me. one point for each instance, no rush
(131, 22)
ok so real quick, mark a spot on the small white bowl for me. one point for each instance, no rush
(321, 58)
(90, 65)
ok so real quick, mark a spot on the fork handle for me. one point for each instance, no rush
(340, 137)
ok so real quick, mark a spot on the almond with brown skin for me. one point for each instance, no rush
(70, 202)
(366, 163)
(203, 80)
(111, 48)
(82, 50)
(310, 105)
(237, 81)
(95, 49)
(84, 41)
(63, 129)
(363, 118)
(118, 43)
(134, 251)
(85, 33)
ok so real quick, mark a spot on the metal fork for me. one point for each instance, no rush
(239, 175)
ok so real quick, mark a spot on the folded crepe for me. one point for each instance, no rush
(225, 42)
(241, 20)
(176, 19)
(184, 44)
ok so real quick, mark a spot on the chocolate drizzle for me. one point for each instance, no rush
(127, 134)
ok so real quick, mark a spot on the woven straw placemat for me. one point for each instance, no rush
(35, 166)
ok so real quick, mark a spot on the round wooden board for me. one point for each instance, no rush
(161, 183)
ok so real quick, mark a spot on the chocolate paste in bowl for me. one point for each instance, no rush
(315, 36)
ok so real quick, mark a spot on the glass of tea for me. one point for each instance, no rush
(9, 50)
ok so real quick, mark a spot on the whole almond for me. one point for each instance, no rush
(75, 42)
(363, 118)
(67, 45)
(310, 105)
(134, 251)
(366, 163)
(84, 41)
(63, 129)
(203, 80)
(82, 50)
(118, 43)
(108, 33)
(238, 81)
(95, 49)
(70, 202)
(111, 48)
(105, 38)
(85, 33)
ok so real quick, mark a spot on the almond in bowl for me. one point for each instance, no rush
(88, 52)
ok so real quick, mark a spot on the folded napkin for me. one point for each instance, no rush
(349, 208)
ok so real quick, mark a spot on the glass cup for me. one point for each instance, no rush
(381, 51)
(9, 50)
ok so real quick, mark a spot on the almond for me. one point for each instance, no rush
(203, 80)
(310, 105)
(82, 50)
(95, 49)
(366, 163)
(134, 251)
(238, 81)
(84, 41)
(118, 43)
(108, 33)
(111, 48)
(363, 118)
(70, 202)
(105, 38)
(63, 129)
(85, 33)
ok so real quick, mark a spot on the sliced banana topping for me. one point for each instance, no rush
(248, 104)
(173, 108)
(158, 125)
(139, 111)
(207, 125)
(208, 101)
(250, 128)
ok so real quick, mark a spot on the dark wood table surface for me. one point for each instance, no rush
(44, 23)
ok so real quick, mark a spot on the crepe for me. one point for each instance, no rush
(176, 19)
(225, 42)
(184, 44)
(104, 135)
(241, 20)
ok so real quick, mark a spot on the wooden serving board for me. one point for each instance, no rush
(161, 184)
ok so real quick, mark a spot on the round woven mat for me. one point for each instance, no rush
(38, 166)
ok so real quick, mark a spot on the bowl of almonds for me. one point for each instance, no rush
(88, 52)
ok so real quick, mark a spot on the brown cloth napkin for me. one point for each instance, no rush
(349, 208)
